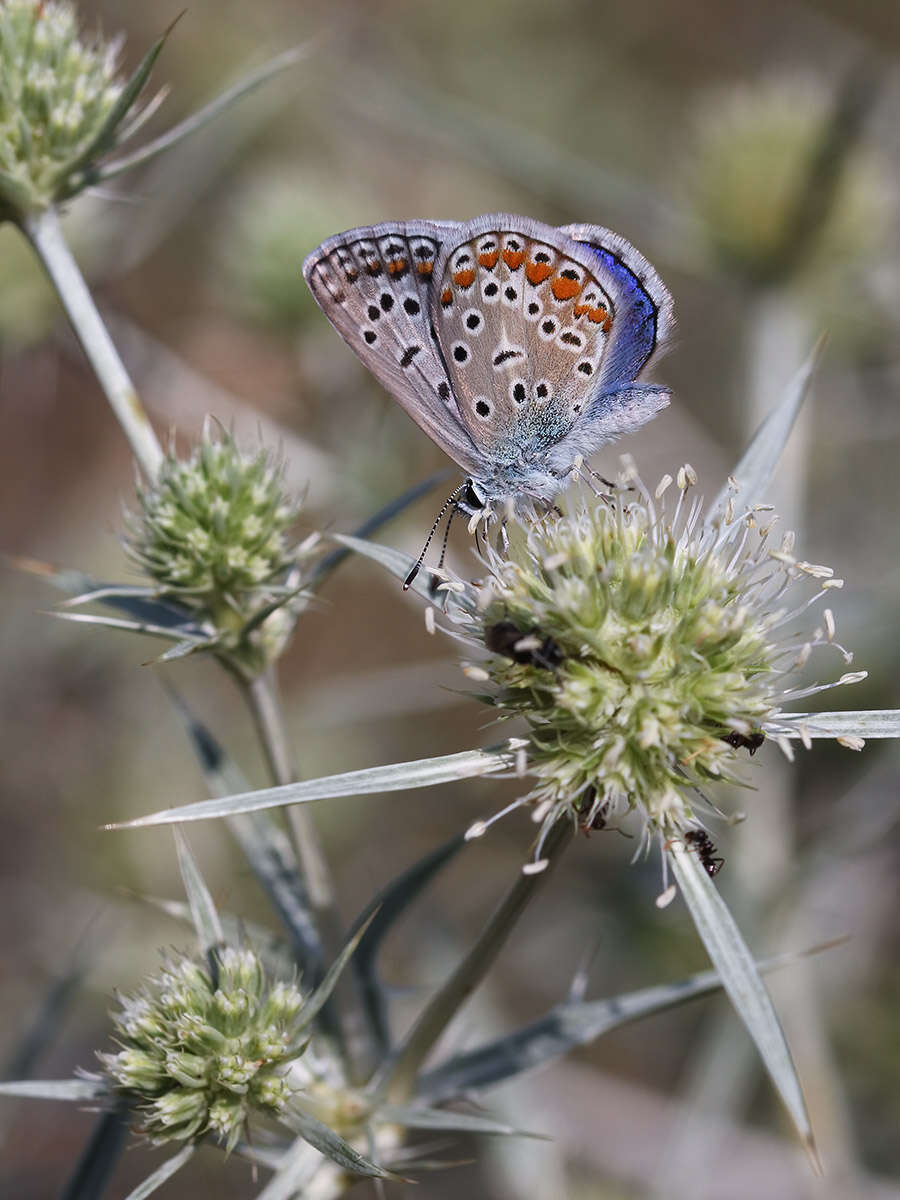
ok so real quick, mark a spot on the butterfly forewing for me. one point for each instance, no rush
(524, 325)
(375, 285)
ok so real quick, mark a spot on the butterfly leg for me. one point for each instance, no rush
(503, 538)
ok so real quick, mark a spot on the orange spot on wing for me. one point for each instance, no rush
(599, 316)
(397, 266)
(580, 309)
(446, 297)
(514, 258)
(425, 268)
(464, 278)
(537, 272)
(565, 289)
(489, 259)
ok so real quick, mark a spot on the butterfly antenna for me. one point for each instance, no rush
(453, 513)
(437, 520)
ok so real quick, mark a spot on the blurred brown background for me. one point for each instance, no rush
(690, 128)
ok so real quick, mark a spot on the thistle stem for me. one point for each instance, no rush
(264, 702)
(44, 233)
(395, 1080)
(263, 699)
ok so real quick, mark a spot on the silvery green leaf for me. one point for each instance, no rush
(379, 917)
(567, 1025)
(203, 116)
(396, 777)
(106, 134)
(184, 649)
(757, 466)
(56, 1089)
(170, 633)
(319, 998)
(332, 1145)
(265, 845)
(203, 911)
(162, 1173)
(143, 603)
(871, 723)
(742, 982)
(426, 584)
(418, 1116)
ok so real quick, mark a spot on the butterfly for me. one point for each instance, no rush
(514, 345)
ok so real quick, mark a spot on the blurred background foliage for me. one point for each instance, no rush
(752, 152)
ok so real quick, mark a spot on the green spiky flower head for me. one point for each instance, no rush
(201, 1055)
(59, 92)
(643, 648)
(212, 534)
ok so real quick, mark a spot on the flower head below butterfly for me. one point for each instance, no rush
(514, 345)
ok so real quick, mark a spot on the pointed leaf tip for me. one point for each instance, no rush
(741, 980)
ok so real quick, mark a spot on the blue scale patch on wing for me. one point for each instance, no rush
(643, 306)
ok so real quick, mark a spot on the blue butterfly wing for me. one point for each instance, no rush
(644, 312)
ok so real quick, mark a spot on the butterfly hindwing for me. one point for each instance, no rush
(643, 305)
(524, 325)
(375, 286)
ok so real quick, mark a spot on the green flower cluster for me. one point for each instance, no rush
(200, 1056)
(643, 649)
(212, 534)
(57, 94)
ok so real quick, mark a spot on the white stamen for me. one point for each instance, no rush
(833, 583)
(553, 561)
(854, 677)
(828, 617)
(664, 899)
(535, 868)
(429, 620)
(477, 674)
(851, 742)
(521, 762)
(661, 487)
(479, 829)
(785, 747)
(816, 570)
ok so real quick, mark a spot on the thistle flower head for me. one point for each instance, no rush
(201, 1056)
(644, 648)
(212, 534)
(58, 92)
